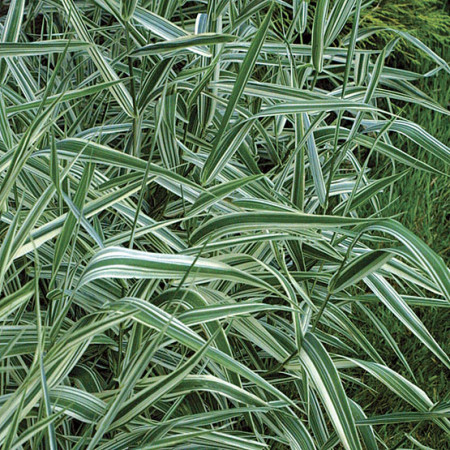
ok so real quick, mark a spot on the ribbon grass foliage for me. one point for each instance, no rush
(191, 237)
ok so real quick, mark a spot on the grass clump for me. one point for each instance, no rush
(197, 248)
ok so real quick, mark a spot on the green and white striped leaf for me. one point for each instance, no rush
(118, 262)
(325, 378)
(184, 42)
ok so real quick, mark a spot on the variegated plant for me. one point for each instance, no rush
(191, 231)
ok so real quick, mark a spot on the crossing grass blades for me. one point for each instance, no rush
(191, 236)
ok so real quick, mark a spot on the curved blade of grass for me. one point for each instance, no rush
(183, 42)
(11, 302)
(119, 91)
(419, 253)
(241, 80)
(8, 49)
(217, 193)
(154, 317)
(417, 134)
(314, 162)
(11, 30)
(223, 151)
(122, 263)
(64, 96)
(324, 376)
(359, 268)
(368, 192)
(405, 314)
(256, 221)
(366, 431)
(318, 34)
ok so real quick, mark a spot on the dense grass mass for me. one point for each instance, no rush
(223, 226)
